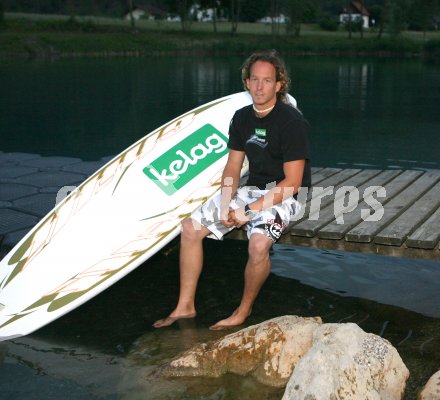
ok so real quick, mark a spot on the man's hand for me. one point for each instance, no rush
(238, 217)
(225, 218)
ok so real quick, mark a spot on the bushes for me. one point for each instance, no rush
(76, 35)
(329, 24)
(69, 25)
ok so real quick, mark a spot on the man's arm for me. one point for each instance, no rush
(293, 174)
(229, 184)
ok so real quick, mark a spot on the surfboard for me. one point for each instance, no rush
(115, 220)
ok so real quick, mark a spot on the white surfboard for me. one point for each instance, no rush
(118, 218)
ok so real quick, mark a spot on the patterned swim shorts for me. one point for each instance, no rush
(271, 222)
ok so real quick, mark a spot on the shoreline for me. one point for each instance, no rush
(53, 54)
(35, 37)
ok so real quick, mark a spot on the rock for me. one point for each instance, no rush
(347, 363)
(431, 391)
(269, 351)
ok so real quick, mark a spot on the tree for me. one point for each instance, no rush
(130, 11)
(392, 17)
(331, 7)
(295, 10)
(275, 10)
(311, 11)
(2, 12)
(70, 8)
(214, 5)
(252, 11)
(362, 22)
(421, 14)
(234, 14)
(350, 19)
(183, 10)
(375, 15)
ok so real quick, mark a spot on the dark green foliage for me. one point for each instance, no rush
(390, 16)
(252, 11)
(421, 14)
(329, 24)
(69, 25)
(114, 8)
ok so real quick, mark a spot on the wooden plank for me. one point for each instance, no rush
(402, 199)
(427, 236)
(335, 229)
(397, 232)
(323, 174)
(318, 175)
(305, 195)
(324, 212)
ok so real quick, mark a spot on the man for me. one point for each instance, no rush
(275, 138)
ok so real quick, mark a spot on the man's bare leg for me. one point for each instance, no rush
(191, 262)
(256, 272)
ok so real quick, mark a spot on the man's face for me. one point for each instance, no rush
(262, 84)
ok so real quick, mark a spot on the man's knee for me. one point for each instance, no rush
(259, 246)
(191, 230)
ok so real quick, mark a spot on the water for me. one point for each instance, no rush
(108, 349)
(365, 113)
(374, 113)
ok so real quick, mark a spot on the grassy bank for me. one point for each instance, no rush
(33, 36)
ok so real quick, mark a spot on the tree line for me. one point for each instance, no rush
(388, 15)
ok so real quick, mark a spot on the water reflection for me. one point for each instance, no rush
(108, 349)
(365, 276)
(353, 87)
(366, 111)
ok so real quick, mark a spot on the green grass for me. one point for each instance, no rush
(33, 35)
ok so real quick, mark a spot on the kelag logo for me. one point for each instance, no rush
(182, 163)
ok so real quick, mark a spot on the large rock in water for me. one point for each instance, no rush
(269, 351)
(431, 391)
(347, 363)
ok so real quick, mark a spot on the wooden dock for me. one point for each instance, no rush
(337, 208)
(409, 225)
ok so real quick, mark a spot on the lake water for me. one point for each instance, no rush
(380, 113)
(364, 113)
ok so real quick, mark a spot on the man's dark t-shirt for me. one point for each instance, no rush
(281, 136)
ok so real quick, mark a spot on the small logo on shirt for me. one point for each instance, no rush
(258, 138)
(260, 134)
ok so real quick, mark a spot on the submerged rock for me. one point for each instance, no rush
(347, 363)
(269, 351)
(431, 391)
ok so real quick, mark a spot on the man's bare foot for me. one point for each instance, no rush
(162, 323)
(236, 319)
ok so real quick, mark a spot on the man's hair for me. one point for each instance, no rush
(272, 57)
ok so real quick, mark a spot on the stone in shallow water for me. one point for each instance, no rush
(431, 391)
(269, 351)
(347, 363)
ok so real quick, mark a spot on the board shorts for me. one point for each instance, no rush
(271, 222)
